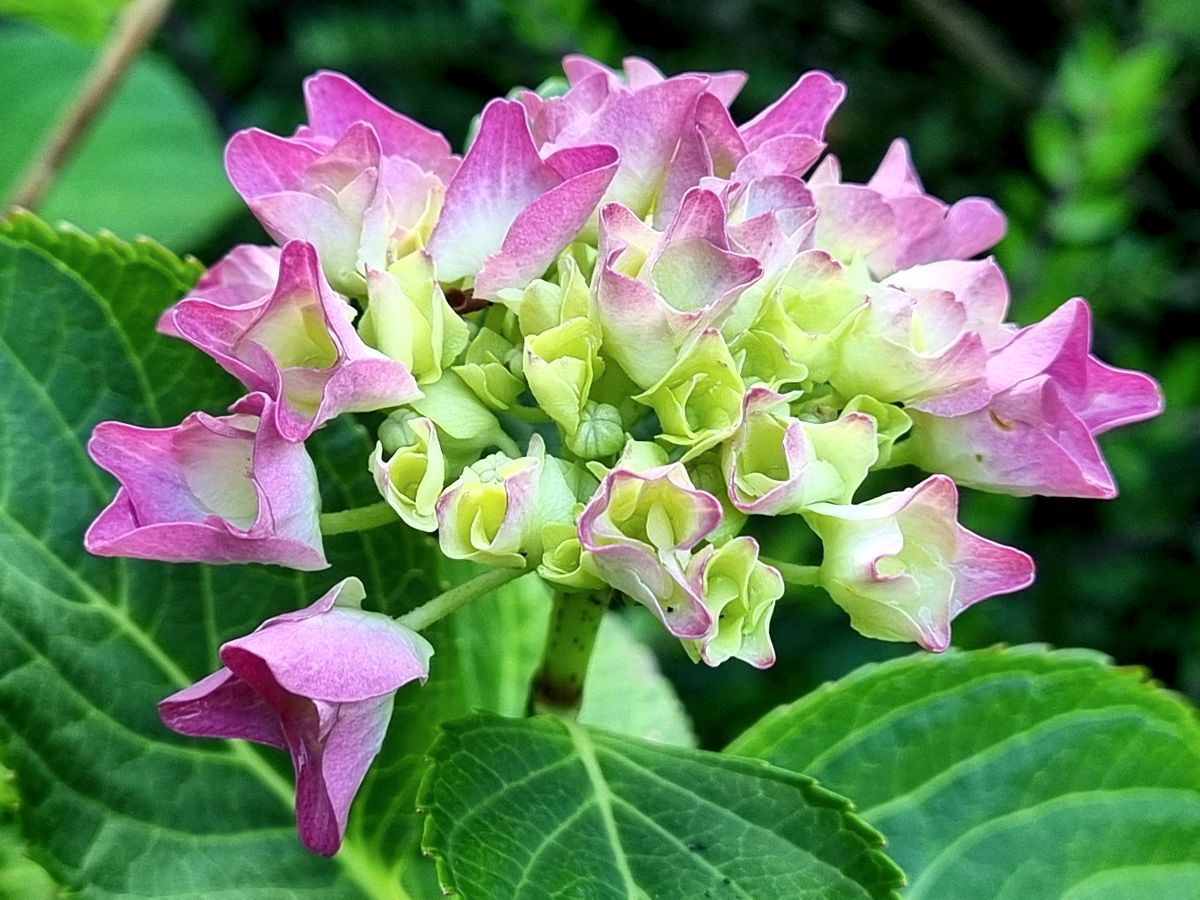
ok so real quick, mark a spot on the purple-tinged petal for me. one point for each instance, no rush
(805, 109)
(338, 654)
(987, 569)
(644, 125)
(335, 103)
(550, 222)
(650, 302)
(259, 163)
(299, 347)
(505, 200)
(1059, 346)
(978, 285)
(216, 490)
(852, 221)
(903, 567)
(331, 760)
(1026, 441)
(278, 689)
(222, 705)
(636, 533)
(245, 276)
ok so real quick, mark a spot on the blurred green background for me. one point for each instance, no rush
(1080, 119)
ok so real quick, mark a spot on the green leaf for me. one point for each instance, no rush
(83, 20)
(151, 163)
(544, 808)
(626, 692)
(1007, 773)
(88, 646)
(19, 875)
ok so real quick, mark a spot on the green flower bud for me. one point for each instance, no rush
(486, 370)
(409, 320)
(413, 477)
(560, 365)
(740, 592)
(699, 400)
(600, 432)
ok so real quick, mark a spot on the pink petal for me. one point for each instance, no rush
(501, 174)
(260, 163)
(222, 705)
(335, 103)
(543, 228)
(985, 569)
(227, 490)
(805, 109)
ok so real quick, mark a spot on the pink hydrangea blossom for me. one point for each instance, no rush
(902, 566)
(318, 683)
(217, 490)
(297, 345)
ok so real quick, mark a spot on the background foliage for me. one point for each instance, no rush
(1079, 117)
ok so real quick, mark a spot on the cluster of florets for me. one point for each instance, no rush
(615, 329)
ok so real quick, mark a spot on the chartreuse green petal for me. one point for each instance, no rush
(544, 304)
(491, 369)
(465, 426)
(560, 365)
(574, 810)
(408, 318)
(891, 423)
(411, 480)
(1007, 773)
(740, 592)
(699, 400)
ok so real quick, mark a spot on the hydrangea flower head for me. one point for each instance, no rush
(600, 345)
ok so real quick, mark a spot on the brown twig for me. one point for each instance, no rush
(134, 29)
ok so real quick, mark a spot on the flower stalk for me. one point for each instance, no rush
(574, 623)
(360, 518)
(804, 576)
(459, 595)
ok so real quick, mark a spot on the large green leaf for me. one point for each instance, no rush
(547, 808)
(1008, 773)
(151, 162)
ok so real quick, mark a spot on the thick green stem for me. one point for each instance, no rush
(809, 576)
(360, 518)
(459, 595)
(574, 624)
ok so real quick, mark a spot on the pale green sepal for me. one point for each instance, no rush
(487, 370)
(546, 304)
(740, 592)
(409, 320)
(699, 400)
(891, 424)
(708, 475)
(411, 480)
(560, 365)
(466, 427)
(562, 558)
